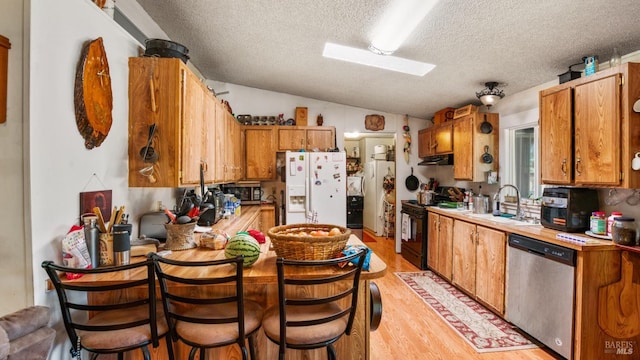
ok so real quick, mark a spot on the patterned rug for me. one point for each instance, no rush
(482, 329)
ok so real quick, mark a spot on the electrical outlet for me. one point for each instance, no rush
(48, 285)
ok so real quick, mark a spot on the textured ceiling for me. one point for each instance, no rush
(277, 45)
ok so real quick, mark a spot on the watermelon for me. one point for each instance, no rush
(243, 244)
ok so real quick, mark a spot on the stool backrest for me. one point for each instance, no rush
(86, 298)
(297, 288)
(177, 298)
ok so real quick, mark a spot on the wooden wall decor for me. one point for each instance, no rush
(93, 99)
(374, 122)
(5, 45)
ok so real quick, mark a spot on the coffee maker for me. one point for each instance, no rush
(211, 216)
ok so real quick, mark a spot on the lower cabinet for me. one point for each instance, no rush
(479, 258)
(440, 244)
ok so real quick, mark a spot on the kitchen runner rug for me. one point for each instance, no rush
(482, 329)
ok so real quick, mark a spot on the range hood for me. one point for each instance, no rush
(446, 159)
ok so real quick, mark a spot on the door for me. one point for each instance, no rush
(259, 153)
(296, 194)
(597, 131)
(193, 136)
(327, 191)
(445, 247)
(490, 267)
(321, 139)
(369, 211)
(463, 143)
(443, 138)
(291, 139)
(464, 255)
(556, 129)
(433, 243)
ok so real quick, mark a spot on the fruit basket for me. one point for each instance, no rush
(296, 242)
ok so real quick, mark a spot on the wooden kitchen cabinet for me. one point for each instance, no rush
(234, 164)
(260, 152)
(589, 131)
(479, 262)
(294, 138)
(470, 144)
(164, 92)
(440, 244)
(435, 140)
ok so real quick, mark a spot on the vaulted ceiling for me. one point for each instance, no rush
(277, 45)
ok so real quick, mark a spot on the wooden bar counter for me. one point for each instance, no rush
(261, 285)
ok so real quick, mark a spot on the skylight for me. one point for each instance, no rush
(366, 57)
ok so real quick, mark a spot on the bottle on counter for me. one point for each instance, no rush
(598, 223)
(93, 243)
(614, 214)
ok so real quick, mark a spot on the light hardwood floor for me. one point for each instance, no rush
(410, 329)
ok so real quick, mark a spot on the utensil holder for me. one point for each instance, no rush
(106, 249)
(180, 236)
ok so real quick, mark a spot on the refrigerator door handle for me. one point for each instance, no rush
(308, 206)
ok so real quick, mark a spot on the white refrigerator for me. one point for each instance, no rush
(316, 188)
(373, 212)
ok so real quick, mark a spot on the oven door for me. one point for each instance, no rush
(414, 239)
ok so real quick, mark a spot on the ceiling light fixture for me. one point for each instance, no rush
(397, 23)
(364, 57)
(490, 95)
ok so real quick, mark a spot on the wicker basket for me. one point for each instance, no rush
(291, 246)
(180, 236)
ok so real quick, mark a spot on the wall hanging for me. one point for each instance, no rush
(374, 122)
(92, 94)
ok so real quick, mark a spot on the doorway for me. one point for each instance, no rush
(371, 163)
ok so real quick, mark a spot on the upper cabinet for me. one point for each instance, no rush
(260, 152)
(475, 151)
(294, 138)
(589, 132)
(165, 94)
(435, 140)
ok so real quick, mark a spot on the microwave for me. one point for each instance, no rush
(248, 192)
(568, 209)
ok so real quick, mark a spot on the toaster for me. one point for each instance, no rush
(152, 225)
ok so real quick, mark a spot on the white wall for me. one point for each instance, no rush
(15, 252)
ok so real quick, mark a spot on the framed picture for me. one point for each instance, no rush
(100, 199)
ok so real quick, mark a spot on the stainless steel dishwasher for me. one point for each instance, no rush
(540, 291)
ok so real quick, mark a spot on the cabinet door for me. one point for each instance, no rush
(233, 148)
(556, 134)
(238, 149)
(193, 132)
(445, 247)
(433, 221)
(322, 139)
(597, 131)
(221, 143)
(442, 139)
(463, 145)
(260, 153)
(209, 128)
(490, 267)
(424, 142)
(464, 255)
(291, 139)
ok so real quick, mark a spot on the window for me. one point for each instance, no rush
(522, 162)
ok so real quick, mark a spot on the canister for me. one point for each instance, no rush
(624, 231)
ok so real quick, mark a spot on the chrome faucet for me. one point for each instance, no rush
(519, 213)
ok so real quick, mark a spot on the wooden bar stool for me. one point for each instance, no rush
(307, 319)
(206, 319)
(119, 323)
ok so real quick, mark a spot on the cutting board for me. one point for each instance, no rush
(619, 304)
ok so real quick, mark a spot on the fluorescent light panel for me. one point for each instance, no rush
(365, 57)
(398, 22)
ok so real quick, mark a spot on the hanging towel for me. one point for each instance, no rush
(406, 227)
